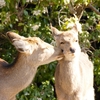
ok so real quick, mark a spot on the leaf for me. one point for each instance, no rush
(23, 2)
(98, 26)
(20, 24)
(66, 2)
(25, 13)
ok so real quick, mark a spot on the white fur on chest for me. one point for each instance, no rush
(69, 77)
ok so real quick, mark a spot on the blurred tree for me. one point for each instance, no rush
(32, 18)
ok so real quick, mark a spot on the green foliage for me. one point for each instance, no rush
(33, 19)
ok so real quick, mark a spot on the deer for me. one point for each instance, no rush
(32, 52)
(74, 73)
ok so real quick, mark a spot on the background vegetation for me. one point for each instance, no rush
(32, 18)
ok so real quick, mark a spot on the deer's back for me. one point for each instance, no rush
(3, 63)
(86, 67)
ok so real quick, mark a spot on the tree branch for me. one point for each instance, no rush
(93, 9)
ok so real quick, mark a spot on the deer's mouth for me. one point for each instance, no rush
(69, 54)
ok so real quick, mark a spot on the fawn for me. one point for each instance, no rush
(74, 73)
(33, 52)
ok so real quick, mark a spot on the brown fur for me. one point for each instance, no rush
(33, 52)
(74, 73)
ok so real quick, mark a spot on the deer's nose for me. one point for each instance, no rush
(62, 50)
(72, 50)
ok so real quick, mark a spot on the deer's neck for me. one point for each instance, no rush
(69, 70)
(69, 74)
(19, 74)
(71, 66)
(20, 62)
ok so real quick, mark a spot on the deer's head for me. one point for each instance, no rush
(67, 41)
(35, 48)
(22, 44)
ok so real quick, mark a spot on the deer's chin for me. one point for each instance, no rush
(69, 56)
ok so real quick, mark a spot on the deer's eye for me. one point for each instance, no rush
(30, 40)
(61, 42)
(76, 40)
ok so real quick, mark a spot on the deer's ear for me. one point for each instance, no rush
(23, 46)
(12, 36)
(55, 31)
(77, 27)
(20, 43)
